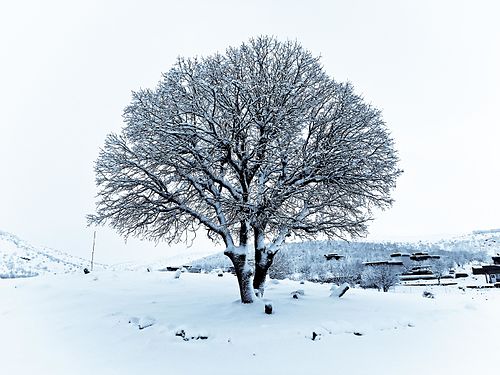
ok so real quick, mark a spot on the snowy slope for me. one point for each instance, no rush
(179, 259)
(20, 259)
(484, 240)
(123, 323)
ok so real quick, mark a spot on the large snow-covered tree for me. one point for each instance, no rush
(252, 145)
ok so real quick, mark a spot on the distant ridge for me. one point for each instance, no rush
(487, 231)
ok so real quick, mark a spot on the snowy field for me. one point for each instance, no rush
(125, 322)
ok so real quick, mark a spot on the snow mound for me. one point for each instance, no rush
(339, 290)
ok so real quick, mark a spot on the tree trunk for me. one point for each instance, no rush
(263, 260)
(243, 274)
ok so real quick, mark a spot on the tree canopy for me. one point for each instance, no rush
(252, 145)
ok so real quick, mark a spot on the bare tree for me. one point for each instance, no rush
(441, 267)
(347, 271)
(382, 277)
(253, 145)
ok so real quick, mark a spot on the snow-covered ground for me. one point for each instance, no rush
(125, 322)
(122, 319)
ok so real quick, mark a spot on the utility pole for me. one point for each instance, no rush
(93, 248)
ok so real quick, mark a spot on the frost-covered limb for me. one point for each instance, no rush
(138, 201)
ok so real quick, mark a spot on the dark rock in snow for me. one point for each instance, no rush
(181, 333)
(295, 294)
(268, 308)
(427, 294)
(86, 271)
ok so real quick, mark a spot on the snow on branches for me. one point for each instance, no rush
(258, 141)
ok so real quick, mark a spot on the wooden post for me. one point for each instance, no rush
(93, 248)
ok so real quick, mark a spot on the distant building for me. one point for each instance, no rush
(491, 272)
(409, 266)
(384, 263)
(333, 256)
(419, 271)
(400, 255)
(420, 256)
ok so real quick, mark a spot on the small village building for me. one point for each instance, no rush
(420, 256)
(333, 256)
(419, 271)
(395, 263)
(400, 255)
(490, 271)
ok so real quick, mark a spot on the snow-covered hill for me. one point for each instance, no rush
(478, 240)
(307, 258)
(176, 259)
(21, 259)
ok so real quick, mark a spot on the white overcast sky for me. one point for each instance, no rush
(67, 69)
